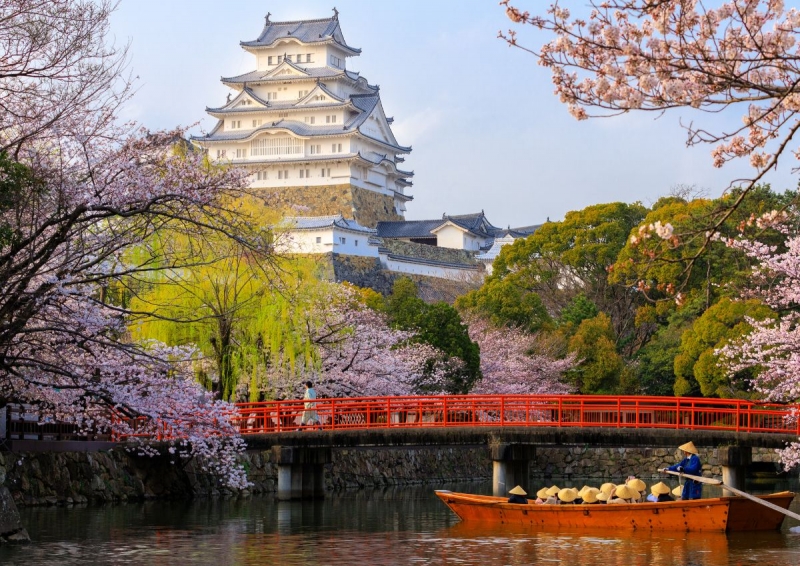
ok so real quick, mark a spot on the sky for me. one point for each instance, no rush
(486, 129)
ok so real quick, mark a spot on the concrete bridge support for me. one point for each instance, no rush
(734, 461)
(510, 466)
(300, 471)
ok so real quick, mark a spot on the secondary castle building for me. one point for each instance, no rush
(312, 133)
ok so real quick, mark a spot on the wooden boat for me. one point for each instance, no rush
(717, 514)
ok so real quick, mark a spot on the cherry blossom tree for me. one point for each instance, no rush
(359, 354)
(773, 347)
(511, 365)
(643, 55)
(79, 193)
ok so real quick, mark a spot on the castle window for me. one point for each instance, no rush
(336, 148)
(330, 119)
(325, 173)
(269, 60)
(319, 239)
(335, 61)
(342, 240)
(283, 174)
(308, 57)
(355, 243)
(261, 176)
(241, 153)
(236, 124)
(272, 96)
(220, 153)
(302, 93)
(316, 149)
(305, 174)
(282, 145)
(310, 120)
(256, 123)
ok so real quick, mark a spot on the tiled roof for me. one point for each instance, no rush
(408, 229)
(322, 73)
(305, 31)
(317, 222)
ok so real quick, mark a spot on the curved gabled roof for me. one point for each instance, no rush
(308, 73)
(305, 31)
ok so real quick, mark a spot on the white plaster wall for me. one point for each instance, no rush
(305, 242)
(450, 237)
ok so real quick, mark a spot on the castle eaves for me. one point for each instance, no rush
(324, 30)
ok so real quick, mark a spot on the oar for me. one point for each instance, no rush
(713, 481)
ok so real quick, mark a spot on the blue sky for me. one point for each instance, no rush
(487, 132)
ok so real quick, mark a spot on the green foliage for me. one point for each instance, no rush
(697, 366)
(577, 310)
(504, 303)
(439, 325)
(601, 369)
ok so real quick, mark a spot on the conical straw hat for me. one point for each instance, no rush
(689, 447)
(607, 488)
(518, 491)
(659, 489)
(677, 491)
(542, 493)
(625, 492)
(567, 495)
(553, 490)
(602, 496)
(590, 495)
(636, 484)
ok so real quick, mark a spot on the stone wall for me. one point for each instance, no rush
(79, 477)
(367, 272)
(593, 462)
(367, 207)
(414, 249)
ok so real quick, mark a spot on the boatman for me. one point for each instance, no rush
(518, 496)
(689, 465)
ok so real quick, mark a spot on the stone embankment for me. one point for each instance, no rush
(70, 478)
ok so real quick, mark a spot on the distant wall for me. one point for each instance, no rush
(81, 477)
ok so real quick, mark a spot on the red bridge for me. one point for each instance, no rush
(523, 411)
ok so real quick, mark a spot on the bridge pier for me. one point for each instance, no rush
(734, 461)
(300, 471)
(510, 466)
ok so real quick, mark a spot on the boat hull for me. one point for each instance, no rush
(717, 514)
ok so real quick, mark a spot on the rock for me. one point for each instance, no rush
(11, 529)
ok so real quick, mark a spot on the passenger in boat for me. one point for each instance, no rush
(608, 489)
(676, 493)
(689, 465)
(518, 496)
(567, 495)
(603, 497)
(552, 495)
(638, 486)
(624, 494)
(541, 496)
(590, 496)
(660, 493)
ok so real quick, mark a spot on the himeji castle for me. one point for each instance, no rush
(311, 131)
(314, 136)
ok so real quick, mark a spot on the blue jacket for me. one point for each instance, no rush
(690, 465)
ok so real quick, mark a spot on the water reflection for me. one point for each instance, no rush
(401, 526)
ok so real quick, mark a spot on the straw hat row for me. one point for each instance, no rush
(630, 490)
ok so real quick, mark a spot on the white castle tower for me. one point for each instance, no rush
(312, 133)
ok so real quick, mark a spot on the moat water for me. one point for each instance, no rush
(395, 526)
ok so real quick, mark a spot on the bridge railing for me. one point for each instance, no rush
(522, 410)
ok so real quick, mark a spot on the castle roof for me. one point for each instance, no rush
(306, 73)
(364, 103)
(325, 30)
(332, 221)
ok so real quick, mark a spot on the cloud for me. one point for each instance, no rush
(419, 125)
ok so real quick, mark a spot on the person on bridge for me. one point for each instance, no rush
(689, 465)
(518, 496)
(310, 416)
